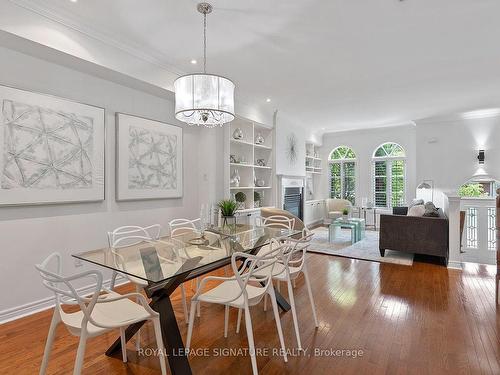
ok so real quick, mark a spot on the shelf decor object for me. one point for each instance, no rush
(52, 149)
(235, 179)
(259, 140)
(238, 133)
(149, 159)
(201, 98)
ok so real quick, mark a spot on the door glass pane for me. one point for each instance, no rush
(398, 183)
(380, 183)
(350, 182)
(335, 181)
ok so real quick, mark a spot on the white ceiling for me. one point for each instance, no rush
(327, 64)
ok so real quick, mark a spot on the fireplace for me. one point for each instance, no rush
(292, 201)
(292, 195)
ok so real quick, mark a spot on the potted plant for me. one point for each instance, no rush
(345, 214)
(227, 209)
(256, 199)
(240, 198)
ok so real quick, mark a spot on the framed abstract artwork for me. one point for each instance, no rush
(52, 149)
(149, 159)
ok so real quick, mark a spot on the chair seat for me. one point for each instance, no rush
(117, 313)
(228, 290)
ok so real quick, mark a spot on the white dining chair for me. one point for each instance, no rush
(131, 235)
(246, 288)
(178, 228)
(98, 314)
(291, 262)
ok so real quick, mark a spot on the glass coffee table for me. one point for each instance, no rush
(357, 227)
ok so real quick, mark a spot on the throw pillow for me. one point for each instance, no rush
(431, 210)
(417, 210)
(416, 202)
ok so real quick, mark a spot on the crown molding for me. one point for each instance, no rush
(73, 24)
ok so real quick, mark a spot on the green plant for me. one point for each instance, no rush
(240, 197)
(256, 196)
(471, 190)
(227, 207)
(345, 211)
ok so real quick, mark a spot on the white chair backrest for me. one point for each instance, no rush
(276, 221)
(130, 235)
(294, 252)
(64, 290)
(245, 271)
(182, 226)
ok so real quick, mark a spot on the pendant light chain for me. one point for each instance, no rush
(204, 42)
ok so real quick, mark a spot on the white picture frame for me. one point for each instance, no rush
(143, 172)
(52, 150)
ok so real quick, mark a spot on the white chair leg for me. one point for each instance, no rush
(159, 344)
(239, 321)
(184, 304)
(311, 299)
(251, 346)
(113, 281)
(226, 320)
(50, 340)
(80, 354)
(198, 311)
(124, 344)
(272, 296)
(191, 322)
(138, 334)
(294, 283)
(294, 314)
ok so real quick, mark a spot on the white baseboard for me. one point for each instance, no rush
(31, 308)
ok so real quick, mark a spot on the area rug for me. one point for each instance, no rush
(366, 249)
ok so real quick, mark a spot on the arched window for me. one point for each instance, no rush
(342, 163)
(389, 175)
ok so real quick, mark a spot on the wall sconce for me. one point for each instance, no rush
(480, 156)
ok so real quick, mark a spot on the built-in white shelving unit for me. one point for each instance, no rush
(313, 169)
(253, 162)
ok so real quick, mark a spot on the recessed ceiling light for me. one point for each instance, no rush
(73, 1)
(268, 100)
(194, 62)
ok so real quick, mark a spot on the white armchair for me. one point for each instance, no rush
(334, 207)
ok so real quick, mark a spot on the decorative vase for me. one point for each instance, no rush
(235, 179)
(261, 162)
(228, 220)
(259, 139)
(260, 183)
(238, 133)
(256, 204)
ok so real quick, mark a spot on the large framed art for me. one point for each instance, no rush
(52, 149)
(149, 159)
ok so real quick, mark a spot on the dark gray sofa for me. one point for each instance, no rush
(417, 235)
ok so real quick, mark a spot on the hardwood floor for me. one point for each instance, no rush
(423, 319)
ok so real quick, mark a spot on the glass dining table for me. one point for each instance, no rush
(166, 263)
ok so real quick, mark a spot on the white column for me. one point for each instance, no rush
(452, 210)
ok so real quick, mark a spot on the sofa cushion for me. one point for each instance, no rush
(417, 210)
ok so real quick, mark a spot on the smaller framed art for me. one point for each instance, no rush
(51, 149)
(149, 159)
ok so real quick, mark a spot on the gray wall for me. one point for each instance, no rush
(28, 234)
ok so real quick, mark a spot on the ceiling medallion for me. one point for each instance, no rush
(202, 98)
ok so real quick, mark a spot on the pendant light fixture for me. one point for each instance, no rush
(202, 98)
